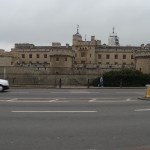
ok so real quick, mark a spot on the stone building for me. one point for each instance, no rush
(142, 59)
(83, 57)
(6, 58)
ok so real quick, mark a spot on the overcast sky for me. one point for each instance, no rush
(42, 22)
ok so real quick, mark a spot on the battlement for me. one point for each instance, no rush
(62, 52)
(144, 53)
(24, 45)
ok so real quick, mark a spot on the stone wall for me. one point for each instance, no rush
(36, 76)
(32, 76)
(142, 59)
(143, 64)
(6, 61)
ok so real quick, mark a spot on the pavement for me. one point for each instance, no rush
(144, 98)
(72, 87)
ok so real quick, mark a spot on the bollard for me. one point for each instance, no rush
(147, 90)
(88, 84)
(120, 83)
(60, 83)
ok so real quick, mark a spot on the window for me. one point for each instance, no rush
(37, 56)
(45, 55)
(30, 55)
(30, 62)
(82, 62)
(90, 55)
(116, 63)
(82, 54)
(99, 63)
(131, 56)
(99, 56)
(124, 63)
(57, 58)
(65, 58)
(116, 56)
(107, 63)
(23, 55)
(124, 56)
(107, 56)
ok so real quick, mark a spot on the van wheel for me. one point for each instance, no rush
(1, 88)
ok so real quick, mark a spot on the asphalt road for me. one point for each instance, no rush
(74, 119)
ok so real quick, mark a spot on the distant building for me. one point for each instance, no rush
(86, 57)
(113, 39)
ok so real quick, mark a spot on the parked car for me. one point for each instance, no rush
(4, 85)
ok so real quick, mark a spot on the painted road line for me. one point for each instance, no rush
(29, 101)
(108, 101)
(54, 111)
(22, 101)
(92, 100)
(142, 110)
(3, 100)
(103, 98)
(12, 100)
(8, 100)
(19, 92)
(35, 100)
(42, 98)
(139, 93)
(131, 100)
(54, 100)
(58, 101)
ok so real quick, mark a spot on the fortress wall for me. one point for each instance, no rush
(22, 76)
(143, 64)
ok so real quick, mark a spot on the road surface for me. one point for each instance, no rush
(74, 119)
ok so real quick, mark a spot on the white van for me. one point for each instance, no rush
(4, 85)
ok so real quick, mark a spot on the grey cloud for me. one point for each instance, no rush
(44, 21)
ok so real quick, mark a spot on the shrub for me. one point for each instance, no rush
(125, 77)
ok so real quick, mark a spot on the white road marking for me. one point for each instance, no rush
(30, 101)
(80, 92)
(75, 92)
(142, 110)
(12, 100)
(108, 101)
(54, 111)
(57, 101)
(139, 93)
(65, 100)
(92, 100)
(19, 92)
(103, 99)
(130, 100)
(35, 100)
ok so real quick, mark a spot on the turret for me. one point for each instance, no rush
(77, 37)
(113, 39)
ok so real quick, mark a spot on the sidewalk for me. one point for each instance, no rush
(71, 87)
(144, 98)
